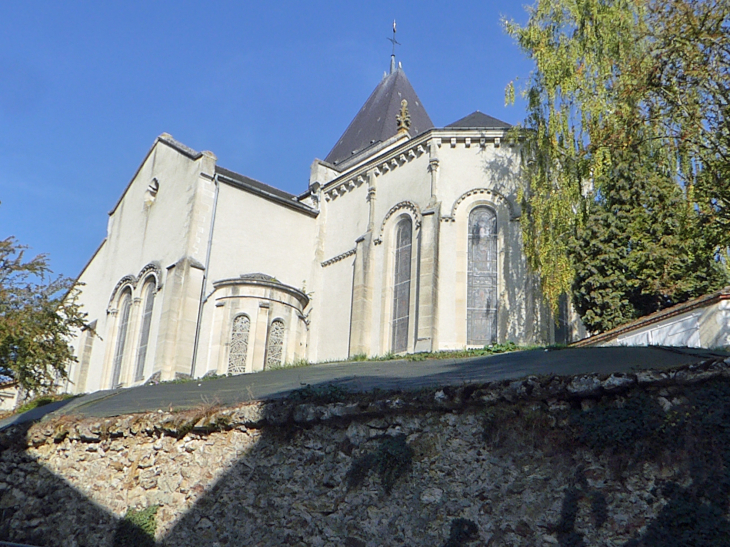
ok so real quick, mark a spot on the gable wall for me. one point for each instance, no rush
(142, 232)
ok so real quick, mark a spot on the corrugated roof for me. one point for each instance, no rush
(479, 120)
(376, 120)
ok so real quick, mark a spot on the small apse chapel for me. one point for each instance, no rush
(406, 240)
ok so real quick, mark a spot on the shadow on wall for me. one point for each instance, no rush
(40, 508)
(500, 169)
(381, 476)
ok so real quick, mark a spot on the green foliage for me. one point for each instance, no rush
(641, 248)
(688, 92)
(463, 531)
(137, 528)
(297, 363)
(42, 400)
(39, 315)
(642, 77)
(391, 460)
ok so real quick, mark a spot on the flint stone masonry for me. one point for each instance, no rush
(276, 473)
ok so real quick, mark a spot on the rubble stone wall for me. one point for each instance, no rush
(511, 463)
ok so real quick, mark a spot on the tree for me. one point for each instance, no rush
(640, 249)
(606, 93)
(38, 317)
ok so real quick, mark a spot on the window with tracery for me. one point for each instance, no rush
(239, 345)
(144, 337)
(481, 301)
(275, 344)
(401, 285)
(125, 307)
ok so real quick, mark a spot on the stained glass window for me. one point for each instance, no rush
(401, 286)
(125, 307)
(239, 345)
(149, 301)
(481, 303)
(275, 345)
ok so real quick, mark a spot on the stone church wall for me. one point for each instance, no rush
(161, 220)
(588, 460)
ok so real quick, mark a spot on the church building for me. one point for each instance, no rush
(407, 240)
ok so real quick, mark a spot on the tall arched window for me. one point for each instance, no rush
(275, 344)
(144, 337)
(401, 285)
(125, 307)
(239, 345)
(481, 300)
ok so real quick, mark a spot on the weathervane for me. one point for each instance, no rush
(392, 55)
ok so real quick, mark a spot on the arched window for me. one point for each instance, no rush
(125, 307)
(275, 344)
(401, 285)
(239, 345)
(144, 337)
(481, 300)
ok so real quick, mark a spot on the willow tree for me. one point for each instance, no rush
(604, 88)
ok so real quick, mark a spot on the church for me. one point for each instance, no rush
(407, 239)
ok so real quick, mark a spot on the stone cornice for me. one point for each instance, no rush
(339, 257)
(269, 283)
(408, 150)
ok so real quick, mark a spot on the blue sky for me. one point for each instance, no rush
(85, 87)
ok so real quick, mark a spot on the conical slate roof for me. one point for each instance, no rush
(376, 120)
(478, 120)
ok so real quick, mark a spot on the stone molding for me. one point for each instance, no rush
(132, 281)
(339, 257)
(262, 280)
(495, 196)
(389, 163)
(407, 205)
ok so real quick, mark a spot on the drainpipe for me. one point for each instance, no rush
(205, 277)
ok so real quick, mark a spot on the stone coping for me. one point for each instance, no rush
(310, 405)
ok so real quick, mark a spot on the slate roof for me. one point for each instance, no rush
(376, 120)
(264, 190)
(479, 120)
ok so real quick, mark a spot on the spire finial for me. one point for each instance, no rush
(392, 55)
(403, 118)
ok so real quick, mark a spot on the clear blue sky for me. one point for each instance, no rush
(86, 87)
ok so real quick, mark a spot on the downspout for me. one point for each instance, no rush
(202, 298)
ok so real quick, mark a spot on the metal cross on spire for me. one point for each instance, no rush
(393, 40)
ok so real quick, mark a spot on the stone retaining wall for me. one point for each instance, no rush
(481, 465)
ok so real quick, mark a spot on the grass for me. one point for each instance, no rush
(42, 400)
(491, 349)
(137, 528)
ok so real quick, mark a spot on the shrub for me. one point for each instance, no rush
(137, 528)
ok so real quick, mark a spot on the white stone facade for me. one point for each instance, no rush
(206, 271)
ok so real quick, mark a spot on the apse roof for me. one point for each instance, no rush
(479, 120)
(376, 120)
